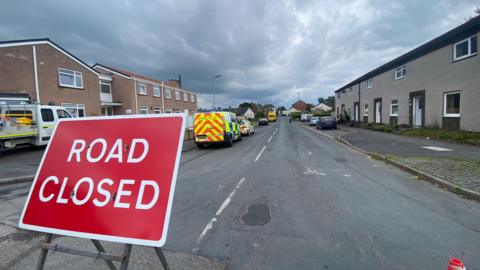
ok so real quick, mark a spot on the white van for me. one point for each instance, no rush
(28, 124)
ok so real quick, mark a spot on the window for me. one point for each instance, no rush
(47, 115)
(177, 95)
(168, 110)
(185, 97)
(156, 91)
(177, 110)
(192, 98)
(106, 87)
(400, 72)
(75, 110)
(369, 83)
(350, 89)
(365, 109)
(451, 104)
(70, 78)
(143, 110)
(157, 110)
(339, 95)
(142, 89)
(168, 93)
(465, 48)
(394, 107)
(63, 114)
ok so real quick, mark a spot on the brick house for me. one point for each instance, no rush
(129, 93)
(46, 73)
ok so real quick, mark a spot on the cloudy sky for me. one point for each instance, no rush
(266, 51)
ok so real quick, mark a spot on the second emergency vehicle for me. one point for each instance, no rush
(216, 127)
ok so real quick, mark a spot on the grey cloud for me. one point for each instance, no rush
(267, 51)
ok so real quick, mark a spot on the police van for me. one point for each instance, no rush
(28, 123)
(216, 127)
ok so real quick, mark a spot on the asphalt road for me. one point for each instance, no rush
(290, 197)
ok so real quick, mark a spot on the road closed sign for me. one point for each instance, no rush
(108, 179)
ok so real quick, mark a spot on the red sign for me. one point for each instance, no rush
(108, 179)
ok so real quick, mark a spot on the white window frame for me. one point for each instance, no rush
(365, 112)
(168, 110)
(403, 70)
(369, 83)
(178, 110)
(178, 95)
(156, 91)
(76, 107)
(143, 93)
(391, 107)
(192, 97)
(185, 97)
(69, 72)
(469, 40)
(168, 93)
(102, 82)
(157, 110)
(143, 108)
(445, 114)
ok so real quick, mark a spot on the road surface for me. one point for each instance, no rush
(290, 197)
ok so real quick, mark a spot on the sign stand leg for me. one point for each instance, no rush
(124, 258)
(44, 253)
(126, 253)
(100, 248)
(162, 258)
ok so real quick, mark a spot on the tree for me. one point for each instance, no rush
(330, 101)
(321, 100)
(309, 107)
(282, 108)
(245, 105)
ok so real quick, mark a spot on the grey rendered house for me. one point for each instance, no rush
(435, 84)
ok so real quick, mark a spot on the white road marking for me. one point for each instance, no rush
(436, 148)
(210, 224)
(347, 175)
(309, 153)
(309, 171)
(269, 139)
(324, 134)
(229, 198)
(206, 229)
(259, 154)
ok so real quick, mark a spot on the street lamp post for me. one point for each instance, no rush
(213, 90)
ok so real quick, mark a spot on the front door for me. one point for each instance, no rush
(357, 112)
(417, 112)
(378, 112)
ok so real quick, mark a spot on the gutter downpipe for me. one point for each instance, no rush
(163, 99)
(35, 71)
(136, 99)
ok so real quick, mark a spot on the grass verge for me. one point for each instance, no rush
(455, 136)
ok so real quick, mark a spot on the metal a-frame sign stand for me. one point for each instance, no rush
(100, 254)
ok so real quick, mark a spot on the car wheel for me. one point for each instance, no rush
(200, 145)
(229, 142)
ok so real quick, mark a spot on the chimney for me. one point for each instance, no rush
(180, 80)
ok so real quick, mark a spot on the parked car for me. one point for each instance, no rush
(327, 122)
(314, 120)
(246, 128)
(263, 122)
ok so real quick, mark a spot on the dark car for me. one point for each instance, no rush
(263, 122)
(327, 122)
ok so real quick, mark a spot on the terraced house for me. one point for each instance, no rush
(142, 95)
(435, 84)
(40, 71)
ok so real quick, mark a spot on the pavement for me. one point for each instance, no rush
(453, 166)
(291, 197)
